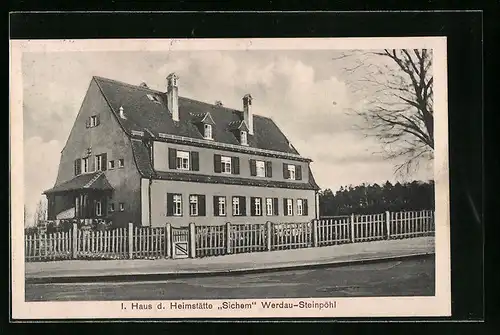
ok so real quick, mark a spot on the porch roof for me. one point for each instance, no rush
(88, 181)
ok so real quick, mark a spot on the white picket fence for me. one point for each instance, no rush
(216, 240)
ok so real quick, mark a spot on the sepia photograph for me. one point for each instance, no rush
(230, 178)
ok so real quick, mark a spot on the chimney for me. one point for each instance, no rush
(247, 112)
(173, 95)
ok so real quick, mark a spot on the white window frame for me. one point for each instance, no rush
(122, 206)
(260, 167)
(222, 206)
(111, 164)
(300, 206)
(236, 206)
(93, 121)
(182, 160)
(193, 200)
(291, 171)
(112, 207)
(243, 138)
(225, 163)
(121, 163)
(269, 207)
(177, 205)
(98, 208)
(207, 131)
(98, 162)
(258, 206)
(289, 207)
(85, 165)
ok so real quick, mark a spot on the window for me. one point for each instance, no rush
(100, 162)
(112, 207)
(269, 206)
(177, 204)
(261, 168)
(182, 160)
(85, 164)
(255, 206)
(153, 98)
(219, 206)
(93, 121)
(289, 206)
(243, 138)
(225, 164)
(208, 131)
(299, 207)
(193, 205)
(111, 164)
(291, 172)
(121, 163)
(98, 208)
(236, 206)
(122, 206)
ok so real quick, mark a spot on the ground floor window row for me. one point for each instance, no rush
(236, 206)
(86, 206)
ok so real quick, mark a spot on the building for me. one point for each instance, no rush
(149, 157)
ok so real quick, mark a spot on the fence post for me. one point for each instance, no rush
(74, 241)
(130, 240)
(168, 240)
(315, 232)
(228, 237)
(269, 232)
(352, 228)
(192, 240)
(388, 224)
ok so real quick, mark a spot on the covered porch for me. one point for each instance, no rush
(83, 197)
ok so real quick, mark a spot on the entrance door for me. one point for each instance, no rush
(180, 242)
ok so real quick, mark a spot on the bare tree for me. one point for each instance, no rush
(394, 90)
(40, 212)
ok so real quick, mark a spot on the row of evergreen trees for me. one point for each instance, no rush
(373, 198)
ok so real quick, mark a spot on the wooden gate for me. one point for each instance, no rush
(180, 242)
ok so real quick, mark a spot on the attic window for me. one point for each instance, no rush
(243, 138)
(153, 98)
(207, 131)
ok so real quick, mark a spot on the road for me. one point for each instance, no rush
(392, 278)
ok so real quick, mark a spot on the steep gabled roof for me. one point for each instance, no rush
(143, 113)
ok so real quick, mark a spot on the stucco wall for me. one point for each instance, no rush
(109, 138)
(159, 189)
(206, 156)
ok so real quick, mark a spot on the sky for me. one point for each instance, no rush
(304, 92)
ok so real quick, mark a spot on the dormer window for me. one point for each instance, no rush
(208, 132)
(243, 138)
(153, 98)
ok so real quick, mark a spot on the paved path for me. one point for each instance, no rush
(339, 254)
(410, 277)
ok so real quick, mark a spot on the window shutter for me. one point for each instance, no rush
(235, 165)
(202, 211)
(243, 206)
(217, 163)
(304, 207)
(275, 206)
(298, 172)
(172, 158)
(269, 169)
(253, 167)
(170, 204)
(78, 166)
(104, 162)
(216, 205)
(195, 161)
(97, 120)
(87, 123)
(285, 207)
(252, 206)
(285, 171)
